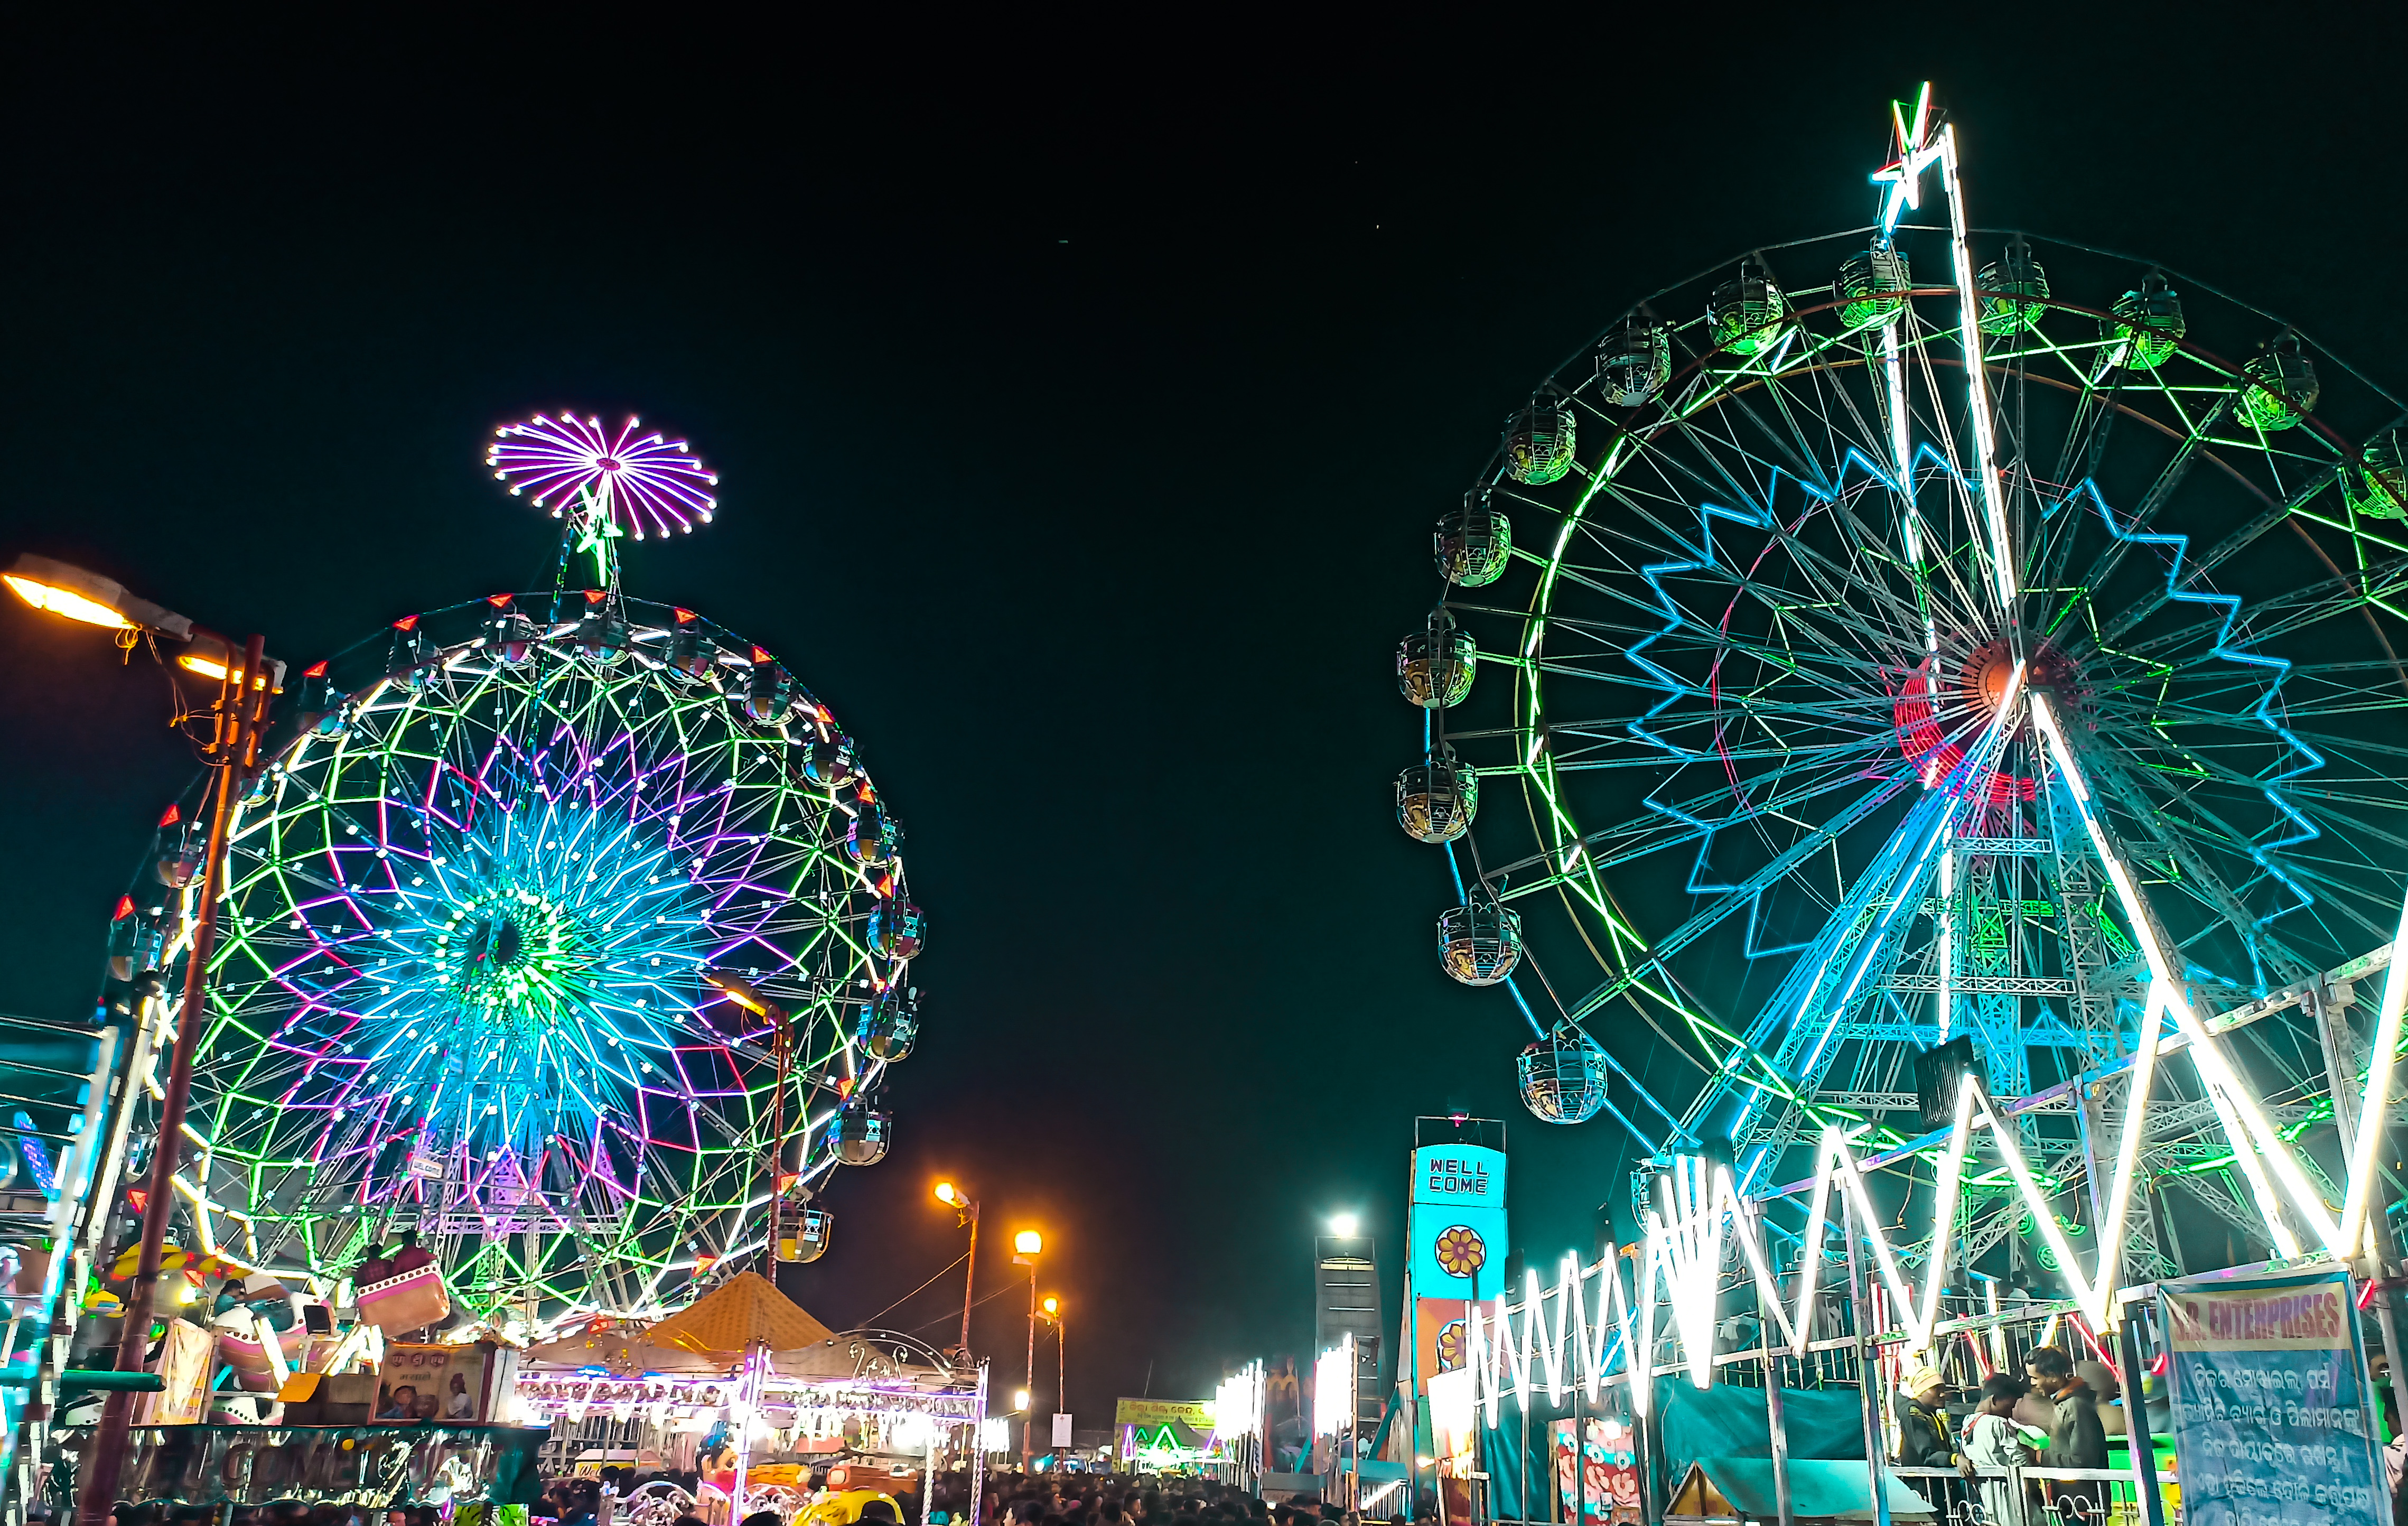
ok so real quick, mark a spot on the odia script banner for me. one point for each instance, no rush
(2271, 1425)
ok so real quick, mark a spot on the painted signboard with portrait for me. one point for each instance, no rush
(1598, 1486)
(432, 1383)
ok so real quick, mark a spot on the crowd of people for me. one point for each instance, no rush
(1009, 1499)
(2048, 1418)
(2057, 1415)
(1137, 1500)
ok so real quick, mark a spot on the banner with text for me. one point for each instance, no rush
(1457, 1222)
(2270, 1418)
(1196, 1414)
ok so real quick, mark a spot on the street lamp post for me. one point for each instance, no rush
(244, 694)
(1025, 1248)
(966, 1210)
(1053, 1315)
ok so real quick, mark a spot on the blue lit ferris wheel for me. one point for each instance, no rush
(565, 928)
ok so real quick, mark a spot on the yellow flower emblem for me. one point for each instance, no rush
(1461, 1251)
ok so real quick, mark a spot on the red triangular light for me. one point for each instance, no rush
(408, 622)
(686, 617)
(124, 909)
(500, 601)
(316, 669)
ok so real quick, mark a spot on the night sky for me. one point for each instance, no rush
(1084, 401)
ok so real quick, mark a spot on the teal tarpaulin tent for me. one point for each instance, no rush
(1696, 1423)
(1820, 1489)
(1726, 1420)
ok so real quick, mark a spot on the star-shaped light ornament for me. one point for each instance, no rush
(1918, 149)
(608, 485)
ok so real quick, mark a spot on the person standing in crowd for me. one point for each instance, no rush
(1923, 1421)
(2076, 1437)
(1924, 1435)
(1992, 1440)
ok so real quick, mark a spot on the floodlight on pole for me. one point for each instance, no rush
(1345, 1226)
(740, 991)
(1053, 1315)
(75, 594)
(246, 680)
(212, 658)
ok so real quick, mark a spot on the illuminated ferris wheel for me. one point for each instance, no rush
(1751, 633)
(566, 927)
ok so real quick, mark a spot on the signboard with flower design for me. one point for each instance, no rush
(1458, 1222)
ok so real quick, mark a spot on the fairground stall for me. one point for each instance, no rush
(760, 1401)
(1955, 681)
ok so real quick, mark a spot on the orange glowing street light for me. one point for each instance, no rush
(57, 589)
(1027, 1246)
(740, 991)
(965, 1213)
(1053, 1307)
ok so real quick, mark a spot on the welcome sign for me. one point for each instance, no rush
(1457, 1223)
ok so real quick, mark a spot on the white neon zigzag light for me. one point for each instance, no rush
(1686, 1231)
(1686, 1251)
(2245, 1124)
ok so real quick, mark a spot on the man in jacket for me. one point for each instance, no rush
(1924, 1438)
(2076, 1437)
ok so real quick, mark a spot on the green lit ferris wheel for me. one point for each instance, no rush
(565, 928)
(1730, 733)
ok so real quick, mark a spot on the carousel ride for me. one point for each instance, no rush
(565, 930)
(1928, 652)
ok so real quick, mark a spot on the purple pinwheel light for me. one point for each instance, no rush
(645, 483)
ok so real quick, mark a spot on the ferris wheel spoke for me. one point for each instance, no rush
(2210, 559)
(2187, 838)
(1738, 897)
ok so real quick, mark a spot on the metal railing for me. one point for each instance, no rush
(426, 1463)
(2032, 1496)
(70, 1116)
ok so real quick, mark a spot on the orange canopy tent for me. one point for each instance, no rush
(739, 1315)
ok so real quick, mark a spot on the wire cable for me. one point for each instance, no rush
(915, 1292)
